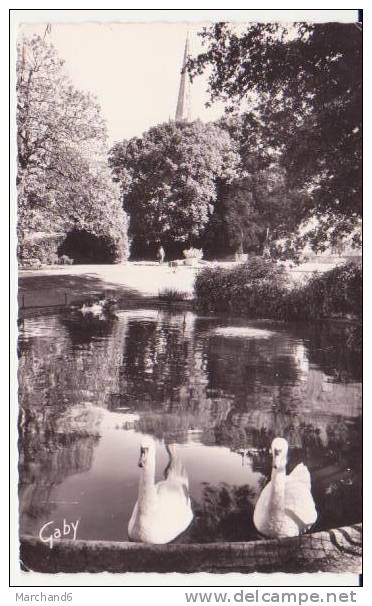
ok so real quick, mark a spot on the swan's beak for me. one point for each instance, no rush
(143, 456)
(278, 457)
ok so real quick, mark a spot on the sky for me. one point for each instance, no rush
(133, 69)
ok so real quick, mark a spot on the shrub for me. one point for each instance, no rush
(172, 295)
(65, 260)
(257, 288)
(53, 259)
(260, 288)
(31, 263)
(40, 246)
(335, 292)
(193, 253)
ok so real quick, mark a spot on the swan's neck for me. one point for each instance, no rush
(146, 490)
(277, 500)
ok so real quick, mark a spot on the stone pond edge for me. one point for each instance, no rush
(335, 550)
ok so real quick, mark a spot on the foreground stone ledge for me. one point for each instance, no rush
(337, 550)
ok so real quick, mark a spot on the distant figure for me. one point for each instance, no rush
(160, 254)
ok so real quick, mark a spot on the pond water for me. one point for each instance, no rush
(90, 388)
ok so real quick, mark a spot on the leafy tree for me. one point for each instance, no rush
(257, 211)
(302, 85)
(257, 208)
(63, 178)
(168, 179)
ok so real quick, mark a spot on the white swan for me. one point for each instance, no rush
(163, 510)
(285, 507)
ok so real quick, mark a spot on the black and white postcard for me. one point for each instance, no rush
(187, 205)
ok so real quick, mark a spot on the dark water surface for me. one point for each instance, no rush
(90, 388)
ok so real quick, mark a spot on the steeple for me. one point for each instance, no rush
(183, 103)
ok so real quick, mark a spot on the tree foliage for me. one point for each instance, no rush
(258, 207)
(302, 84)
(63, 179)
(168, 179)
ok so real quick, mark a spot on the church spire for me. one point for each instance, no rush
(183, 103)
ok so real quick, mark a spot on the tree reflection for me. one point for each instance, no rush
(254, 370)
(335, 347)
(156, 364)
(224, 513)
(84, 329)
(187, 385)
(57, 457)
(64, 381)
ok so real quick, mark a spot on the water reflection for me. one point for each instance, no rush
(87, 390)
(337, 349)
(84, 329)
(225, 513)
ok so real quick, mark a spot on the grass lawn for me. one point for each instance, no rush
(132, 282)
